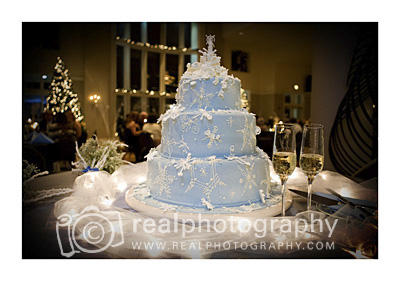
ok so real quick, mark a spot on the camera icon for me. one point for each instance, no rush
(90, 231)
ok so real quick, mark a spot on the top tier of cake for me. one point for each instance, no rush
(207, 85)
(209, 94)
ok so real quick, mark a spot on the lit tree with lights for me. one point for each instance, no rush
(62, 96)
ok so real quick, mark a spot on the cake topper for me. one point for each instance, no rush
(209, 65)
(210, 39)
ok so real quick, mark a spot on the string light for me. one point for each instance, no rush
(147, 92)
(244, 95)
(156, 46)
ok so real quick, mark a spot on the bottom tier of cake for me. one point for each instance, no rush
(208, 182)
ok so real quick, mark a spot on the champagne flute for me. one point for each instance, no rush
(284, 156)
(312, 154)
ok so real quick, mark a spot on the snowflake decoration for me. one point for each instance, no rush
(212, 137)
(232, 193)
(173, 113)
(184, 164)
(204, 202)
(238, 159)
(230, 121)
(167, 144)
(262, 153)
(262, 195)
(201, 98)
(203, 172)
(248, 132)
(247, 208)
(248, 177)
(266, 180)
(214, 181)
(163, 180)
(183, 145)
(232, 157)
(205, 114)
(181, 91)
(227, 85)
(189, 124)
(152, 153)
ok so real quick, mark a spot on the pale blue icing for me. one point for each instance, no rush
(230, 181)
(209, 95)
(209, 133)
(142, 193)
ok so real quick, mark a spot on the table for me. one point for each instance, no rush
(40, 238)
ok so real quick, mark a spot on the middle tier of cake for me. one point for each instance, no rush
(204, 133)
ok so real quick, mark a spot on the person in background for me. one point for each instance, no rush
(270, 123)
(143, 116)
(47, 119)
(153, 128)
(64, 135)
(132, 132)
(74, 124)
(261, 123)
(80, 131)
(297, 127)
(298, 130)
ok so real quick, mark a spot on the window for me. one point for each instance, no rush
(147, 75)
(33, 106)
(153, 106)
(135, 69)
(153, 33)
(188, 35)
(153, 71)
(173, 34)
(120, 106)
(294, 104)
(136, 31)
(288, 98)
(120, 29)
(136, 104)
(168, 103)
(171, 73)
(32, 85)
(120, 67)
(298, 98)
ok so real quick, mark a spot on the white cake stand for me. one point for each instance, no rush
(153, 211)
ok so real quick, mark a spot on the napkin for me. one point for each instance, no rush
(41, 139)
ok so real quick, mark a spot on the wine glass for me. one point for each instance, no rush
(284, 156)
(312, 154)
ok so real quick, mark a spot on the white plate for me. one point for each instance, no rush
(152, 211)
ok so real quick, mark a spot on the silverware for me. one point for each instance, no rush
(346, 201)
(316, 198)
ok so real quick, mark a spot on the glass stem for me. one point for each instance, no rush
(283, 185)
(310, 181)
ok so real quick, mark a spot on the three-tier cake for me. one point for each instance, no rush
(208, 156)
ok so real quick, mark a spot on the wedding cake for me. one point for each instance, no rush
(208, 156)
